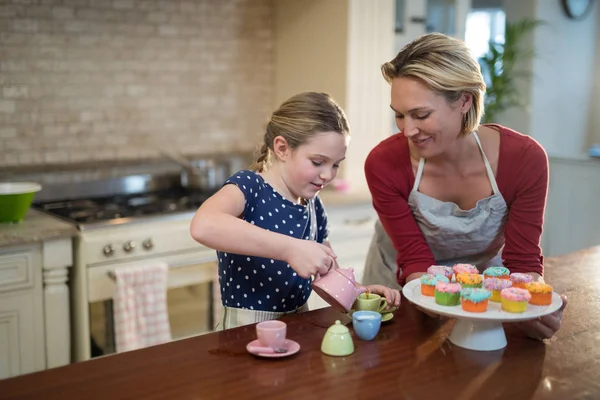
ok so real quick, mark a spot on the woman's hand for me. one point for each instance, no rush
(544, 327)
(308, 257)
(392, 296)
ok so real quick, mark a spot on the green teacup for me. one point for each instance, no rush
(374, 303)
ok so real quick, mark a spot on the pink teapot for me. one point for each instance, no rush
(338, 288)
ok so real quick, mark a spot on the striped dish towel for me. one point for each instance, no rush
(140, 306)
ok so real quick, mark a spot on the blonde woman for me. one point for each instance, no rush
(268, 225)
(447, 189)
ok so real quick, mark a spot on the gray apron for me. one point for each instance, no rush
(474, 236)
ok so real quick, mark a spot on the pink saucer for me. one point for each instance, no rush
(290, 345)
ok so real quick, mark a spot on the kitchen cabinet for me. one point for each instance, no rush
(351, 229)
(34, 306)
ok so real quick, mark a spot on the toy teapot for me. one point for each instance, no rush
(338, 288)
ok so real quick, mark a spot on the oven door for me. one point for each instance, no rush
(190, 297)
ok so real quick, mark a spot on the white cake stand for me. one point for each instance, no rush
(477, 331)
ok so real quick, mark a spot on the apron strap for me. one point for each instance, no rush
(488, 167)
(419, 174)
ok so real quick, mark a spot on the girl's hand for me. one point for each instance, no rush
(308, 258)
(392, 296)
(544, 327)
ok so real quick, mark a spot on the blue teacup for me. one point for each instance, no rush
(366, 324)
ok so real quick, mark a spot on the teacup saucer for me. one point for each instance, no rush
(387, 316)
(291, 346)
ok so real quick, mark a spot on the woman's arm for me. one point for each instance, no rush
(217, 225)
(523, 228)
(389, 188)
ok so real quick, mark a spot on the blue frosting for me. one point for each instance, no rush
(475, 295)
(432, 280)
(496, 271)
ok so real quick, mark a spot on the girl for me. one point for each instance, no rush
(268, 225)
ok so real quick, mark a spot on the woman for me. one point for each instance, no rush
(448, 190)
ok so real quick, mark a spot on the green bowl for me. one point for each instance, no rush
(15, 199)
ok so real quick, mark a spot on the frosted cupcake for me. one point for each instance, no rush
(496, 285)
(541, 293)
(440, 270)
(514, 300)
(428, 283)
(447, 294)
(464, 269)
(520, 280)
(469, 280)
(496, 272)
(474, 300)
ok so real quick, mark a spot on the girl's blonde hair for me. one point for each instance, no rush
(447, 67)
(297, 120)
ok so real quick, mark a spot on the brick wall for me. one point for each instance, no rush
(86, 80)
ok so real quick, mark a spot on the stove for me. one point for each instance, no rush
(120, 207)
(125, 204)
(132, 219)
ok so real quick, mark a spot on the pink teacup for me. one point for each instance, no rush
(271, 333)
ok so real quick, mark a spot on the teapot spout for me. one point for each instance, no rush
(360, 289)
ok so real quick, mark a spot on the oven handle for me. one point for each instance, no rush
(200, 260)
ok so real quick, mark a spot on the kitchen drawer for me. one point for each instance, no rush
(16, 271)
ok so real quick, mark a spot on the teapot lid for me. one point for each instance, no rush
(348, 273)
(338, 328)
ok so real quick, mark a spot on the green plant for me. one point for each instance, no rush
(499, 67)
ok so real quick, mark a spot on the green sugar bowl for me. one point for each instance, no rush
(337, 341)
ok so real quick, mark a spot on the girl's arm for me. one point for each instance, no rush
(217, 224)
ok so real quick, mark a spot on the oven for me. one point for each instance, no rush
(135, 218)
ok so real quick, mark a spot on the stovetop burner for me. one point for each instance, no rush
(87, 211)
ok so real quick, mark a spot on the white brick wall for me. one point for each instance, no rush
(85, 80)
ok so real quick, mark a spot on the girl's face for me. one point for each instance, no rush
(428, 121)
(310, 167)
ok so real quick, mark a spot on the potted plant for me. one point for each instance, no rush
(500, 68)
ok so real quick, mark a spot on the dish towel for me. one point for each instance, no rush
(140, 306)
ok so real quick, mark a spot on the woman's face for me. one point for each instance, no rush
(428, 121)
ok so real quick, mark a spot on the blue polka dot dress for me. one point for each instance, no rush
(264, 284)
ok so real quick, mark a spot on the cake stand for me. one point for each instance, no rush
(477, 331)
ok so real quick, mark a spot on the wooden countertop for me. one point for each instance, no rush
(409, 359)
(35, 227)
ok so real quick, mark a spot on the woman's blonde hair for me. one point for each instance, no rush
(297, 120)
(447, 67)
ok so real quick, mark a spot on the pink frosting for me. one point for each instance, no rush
(521, 278)
(448, 287)
(465, 269)
(496, 283)
(515, 294)
(440, 269)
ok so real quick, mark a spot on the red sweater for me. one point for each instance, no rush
(522, 178)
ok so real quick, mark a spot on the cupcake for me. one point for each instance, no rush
(469, 280)
(474, 299)
(428, 282)
(464, 269)
(496, 285)
(519, 280)
(447, 294)
(514, 300)
(440, 270)
(541, 293)
(496, 272)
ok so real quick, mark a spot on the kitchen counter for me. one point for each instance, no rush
(35, 227)
(410, 358)
(334, 198)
